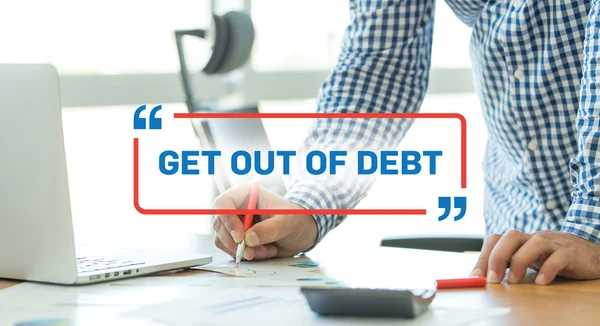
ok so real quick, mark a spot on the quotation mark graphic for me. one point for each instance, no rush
(154, 122)
(446, 204)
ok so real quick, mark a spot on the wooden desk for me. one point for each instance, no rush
(6, 283)
(561, 303)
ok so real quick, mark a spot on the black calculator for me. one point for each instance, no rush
(368, 302)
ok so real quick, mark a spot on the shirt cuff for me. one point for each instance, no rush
(583, 220)
(311, 194)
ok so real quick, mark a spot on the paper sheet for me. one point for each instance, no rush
(103, 303)
(297, 271)
(68, 316)
(351, 271)
(95, 305)
(104, 294)
(284, 307)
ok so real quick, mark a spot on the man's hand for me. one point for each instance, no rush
(550, 253)
(271, 235)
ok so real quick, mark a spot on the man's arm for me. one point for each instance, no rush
(574, 251)
(383, 67)
(583, 217)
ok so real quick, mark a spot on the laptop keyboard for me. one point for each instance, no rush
(91, 264)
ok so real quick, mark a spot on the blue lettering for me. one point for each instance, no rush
(174, 166)
(247, 162)
(432, 155)
(186, 162)
(386, 162)
(211, 160)
(361, 162)
(286, 160)
(335, 162)
(270, 163)
(406, 162)
(322, 162)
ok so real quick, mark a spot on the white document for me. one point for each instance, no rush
(93, 305)
(299, 271)
(102, 304)
(105, 294)
(381, 268)
(284, 307)
(68, 316)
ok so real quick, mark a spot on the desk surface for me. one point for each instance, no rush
(563, 302)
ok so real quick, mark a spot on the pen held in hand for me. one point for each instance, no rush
(248, 218)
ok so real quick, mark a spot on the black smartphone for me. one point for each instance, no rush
(367, 302)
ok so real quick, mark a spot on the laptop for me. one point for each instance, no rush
(36, 227)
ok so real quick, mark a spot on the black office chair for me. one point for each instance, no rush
(232, 38)
(441, 243)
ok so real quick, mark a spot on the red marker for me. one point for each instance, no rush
(469, 282)
(248, 219)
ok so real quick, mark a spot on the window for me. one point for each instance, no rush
(108, 37)
(451, 38)
(308, 39)
(289, 42)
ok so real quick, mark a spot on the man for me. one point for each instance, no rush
(535, 65)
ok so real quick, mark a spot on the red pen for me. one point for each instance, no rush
(248, 218)
(469, 282)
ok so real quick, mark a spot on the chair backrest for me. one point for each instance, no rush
(233, 43)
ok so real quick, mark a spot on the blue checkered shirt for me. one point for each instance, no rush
(535, 68)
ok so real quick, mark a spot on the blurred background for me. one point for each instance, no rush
(113, 56)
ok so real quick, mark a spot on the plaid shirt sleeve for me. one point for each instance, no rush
(383, 67)
(583, 217)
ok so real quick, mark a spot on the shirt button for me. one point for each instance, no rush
(517, 3)
(532, 145)
(519, 74)
(551, 204)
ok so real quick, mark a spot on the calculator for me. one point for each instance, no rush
(368, 302)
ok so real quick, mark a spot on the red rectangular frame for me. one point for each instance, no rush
(154, 211)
